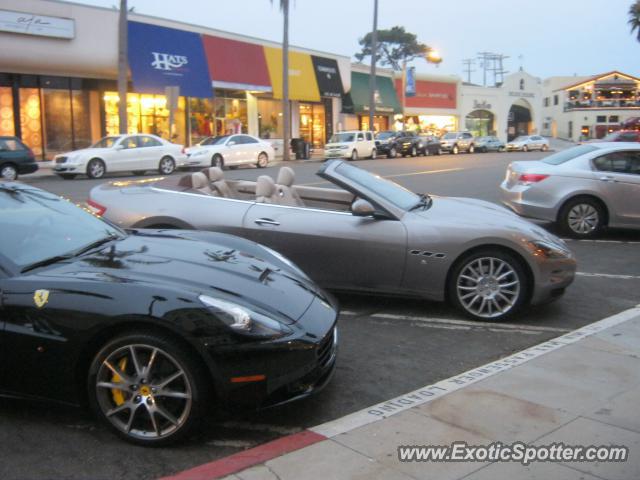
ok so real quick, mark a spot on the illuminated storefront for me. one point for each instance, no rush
(432, 108)
(428, 124)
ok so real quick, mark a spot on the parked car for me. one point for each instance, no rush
(583, 189)
(120, 153)
(351, 145)
(489, 144)
(15, 158)
(230, 150)
(366, 234)
(393, 143)
(429, 145)
(526, 143)
(456, 142)
(620, 136)
(154, 328)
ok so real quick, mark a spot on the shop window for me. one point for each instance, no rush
(270, 121)
(380, 123)
(6, 112)
(614, 119)
(201, 121)
(312, 124)
(30, 125)
(57, 121)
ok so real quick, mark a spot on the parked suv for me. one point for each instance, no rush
(352, 145)
(15, 158)
(456, 142)
(391, 143)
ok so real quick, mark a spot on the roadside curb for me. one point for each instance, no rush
(241, 461)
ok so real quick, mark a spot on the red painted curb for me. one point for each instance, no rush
(242, 460)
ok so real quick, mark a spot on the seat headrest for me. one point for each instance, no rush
(286, 176)
(215, 174)
(265, 186)
(199, 180)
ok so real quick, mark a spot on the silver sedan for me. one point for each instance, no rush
(583, 189)
(365, 234)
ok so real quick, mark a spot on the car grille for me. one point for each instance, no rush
(61, 159)
(327, 348)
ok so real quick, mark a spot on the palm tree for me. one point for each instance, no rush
(634, 18)
(284, 8)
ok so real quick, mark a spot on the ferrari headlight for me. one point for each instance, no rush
(244, 321)
(548, 250)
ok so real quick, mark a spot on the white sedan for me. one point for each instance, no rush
(527, 143)
(120, 153)
(230, 150)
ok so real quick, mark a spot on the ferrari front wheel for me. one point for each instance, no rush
(147, 388)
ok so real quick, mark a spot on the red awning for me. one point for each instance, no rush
(235, 64)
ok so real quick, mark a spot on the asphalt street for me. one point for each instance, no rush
(388, 346)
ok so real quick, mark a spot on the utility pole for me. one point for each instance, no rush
(123, 67)
(468, 64)
(374, 59)
(485, 59)
(285, 80)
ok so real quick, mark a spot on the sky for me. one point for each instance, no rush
(545, 37)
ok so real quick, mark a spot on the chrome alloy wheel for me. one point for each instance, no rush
(488, 287)
(583, 218)
(144, 392)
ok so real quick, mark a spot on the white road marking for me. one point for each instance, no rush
(431, 392)
(608, 275)
(472, 324)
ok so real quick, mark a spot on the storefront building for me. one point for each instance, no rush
(58, 86)
(506, 111)
(432, 106)
(579, 108)
(355, 104)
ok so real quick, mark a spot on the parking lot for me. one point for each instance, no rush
(388, 346)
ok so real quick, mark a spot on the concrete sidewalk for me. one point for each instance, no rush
(582, 388)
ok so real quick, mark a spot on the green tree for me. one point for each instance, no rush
(634, 18)
(395, 46)
(284, 8)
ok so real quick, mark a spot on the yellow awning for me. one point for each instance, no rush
(302, 77)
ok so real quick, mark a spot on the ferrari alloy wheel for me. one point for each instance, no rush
(489, 285)
(166, 166)
(263, 160)
(147, 389)
(96, 168)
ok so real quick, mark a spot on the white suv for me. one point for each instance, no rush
(352, 145)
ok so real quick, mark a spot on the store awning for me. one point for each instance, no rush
(236, 65)
(327, 76)
(162, 57)
(357, 100)
(302, 79)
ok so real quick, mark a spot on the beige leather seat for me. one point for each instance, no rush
(218, 183)
(266, 190)
(200, 182)
(285, 189)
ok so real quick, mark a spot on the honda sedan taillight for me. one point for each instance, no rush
(530, 178)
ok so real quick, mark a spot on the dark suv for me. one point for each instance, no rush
(15, 158)
(391, 143)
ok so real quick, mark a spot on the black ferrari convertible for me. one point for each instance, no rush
(151, 327)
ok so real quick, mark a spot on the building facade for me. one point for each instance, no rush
(58, 71)
(576, 108)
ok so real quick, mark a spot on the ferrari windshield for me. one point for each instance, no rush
(390, 191)
(37, 225)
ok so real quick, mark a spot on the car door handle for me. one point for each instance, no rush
(265, 221)
(608, 178)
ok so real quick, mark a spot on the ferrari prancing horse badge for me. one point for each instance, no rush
(40, 298)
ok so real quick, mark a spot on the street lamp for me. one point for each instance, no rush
(431, 55)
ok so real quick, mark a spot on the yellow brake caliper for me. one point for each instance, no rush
(118, 396)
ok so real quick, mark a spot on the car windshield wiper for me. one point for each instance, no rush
(67, 256)
(14, 190)
(424, 202)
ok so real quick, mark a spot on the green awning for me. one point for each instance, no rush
(357, 100)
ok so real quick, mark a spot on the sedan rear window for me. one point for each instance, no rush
(569, 154)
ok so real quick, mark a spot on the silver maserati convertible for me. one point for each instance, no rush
(364, 234)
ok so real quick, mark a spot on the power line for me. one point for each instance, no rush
(468, 63)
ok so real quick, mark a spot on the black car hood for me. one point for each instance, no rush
(218, 265)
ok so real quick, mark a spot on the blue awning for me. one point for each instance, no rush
(162, 57)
